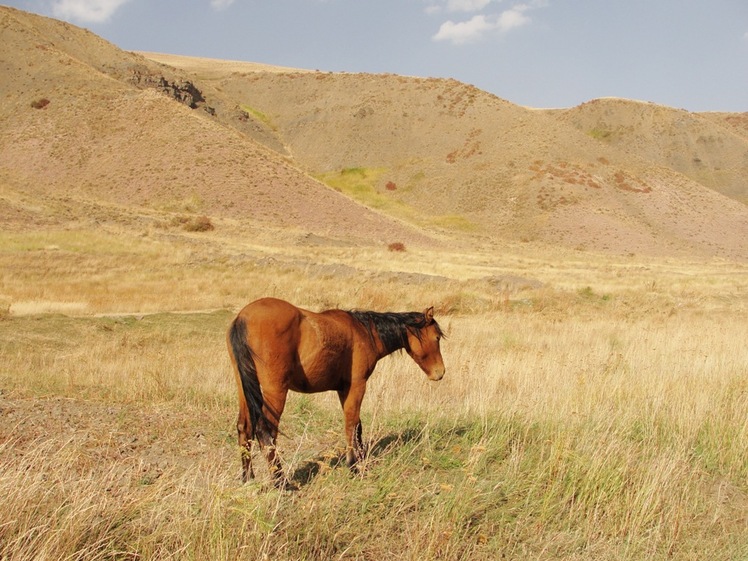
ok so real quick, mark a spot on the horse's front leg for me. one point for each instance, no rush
(351, 398)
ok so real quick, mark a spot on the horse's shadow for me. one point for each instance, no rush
(306, 472)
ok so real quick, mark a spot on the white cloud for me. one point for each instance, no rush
(464, 31)
(512, 18)
(221, 4)
(476, 27)
(88, 11)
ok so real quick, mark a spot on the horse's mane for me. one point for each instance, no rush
(393, 327)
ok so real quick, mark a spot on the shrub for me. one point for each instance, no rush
(40, 103)
(197, 224)
(396, 246)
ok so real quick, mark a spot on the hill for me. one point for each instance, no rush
(359, 157)
(706, 148)
(86, 125)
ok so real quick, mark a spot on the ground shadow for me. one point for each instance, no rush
(306, 472)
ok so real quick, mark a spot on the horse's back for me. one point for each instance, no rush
(268, 306)
(270, 315)
(271, 319)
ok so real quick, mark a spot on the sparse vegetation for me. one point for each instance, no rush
(624, 182)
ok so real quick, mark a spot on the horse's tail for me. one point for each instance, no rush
(245, 363)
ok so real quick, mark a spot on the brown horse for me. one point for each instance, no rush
(275, 347)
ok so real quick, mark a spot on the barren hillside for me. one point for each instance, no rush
(709, 150)
(85, 121)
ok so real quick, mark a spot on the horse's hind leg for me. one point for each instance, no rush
(274, 402)
(244, 429)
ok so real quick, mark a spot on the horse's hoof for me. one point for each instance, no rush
(286, 485)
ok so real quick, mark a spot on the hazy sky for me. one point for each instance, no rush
(690, 54)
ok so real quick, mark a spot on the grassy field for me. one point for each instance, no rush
(593, 408)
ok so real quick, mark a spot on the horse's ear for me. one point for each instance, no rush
(429, 315)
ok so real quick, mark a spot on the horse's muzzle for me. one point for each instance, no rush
(436, 374)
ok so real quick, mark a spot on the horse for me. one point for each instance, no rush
(275, 347)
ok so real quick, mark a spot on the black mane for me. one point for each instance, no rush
(393, 327)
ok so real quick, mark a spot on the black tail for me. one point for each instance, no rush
(245, 362)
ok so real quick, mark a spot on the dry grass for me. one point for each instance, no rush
(600, 416)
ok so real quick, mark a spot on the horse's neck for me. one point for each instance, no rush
(381, 344)
(381, 349)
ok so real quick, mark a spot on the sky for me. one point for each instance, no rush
(687, 54)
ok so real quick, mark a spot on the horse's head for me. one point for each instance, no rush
(423, 346)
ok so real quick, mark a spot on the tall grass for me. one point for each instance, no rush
(573, 423)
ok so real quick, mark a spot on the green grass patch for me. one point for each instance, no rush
(360, 184)
(600, 134)
(257, 114)
(451, 222)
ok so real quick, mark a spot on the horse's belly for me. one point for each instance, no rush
(314, 384)
(324, 356)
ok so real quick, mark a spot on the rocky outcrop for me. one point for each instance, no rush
(183, 91)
